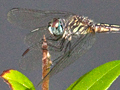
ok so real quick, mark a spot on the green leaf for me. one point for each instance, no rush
(16, 80)
(99, 78)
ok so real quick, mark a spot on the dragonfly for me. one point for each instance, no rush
(68, 35)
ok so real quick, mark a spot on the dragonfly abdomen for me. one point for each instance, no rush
(104, 28)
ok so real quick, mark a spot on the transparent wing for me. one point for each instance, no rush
(78, 48)
(31, 58)
(31, 19)
(36, 35)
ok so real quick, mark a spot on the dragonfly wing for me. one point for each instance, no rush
(31, 19)
(79, 47)
(36, 36)
(31, 58)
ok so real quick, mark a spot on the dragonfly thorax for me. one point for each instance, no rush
(56, 27)
(77, 26)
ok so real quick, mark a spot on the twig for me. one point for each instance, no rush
(46, 62)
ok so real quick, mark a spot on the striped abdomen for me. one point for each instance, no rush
(103, 28)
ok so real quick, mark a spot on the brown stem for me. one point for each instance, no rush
(45, 64)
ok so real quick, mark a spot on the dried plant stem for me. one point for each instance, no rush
(45, 64)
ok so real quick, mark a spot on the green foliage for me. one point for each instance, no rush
(99, 78)
(16, 80)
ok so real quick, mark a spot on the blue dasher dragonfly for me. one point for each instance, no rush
(68, 36)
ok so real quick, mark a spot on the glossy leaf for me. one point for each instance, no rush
(99, 78)
(16, 80)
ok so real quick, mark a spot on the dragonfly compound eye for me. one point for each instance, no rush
(56, 27)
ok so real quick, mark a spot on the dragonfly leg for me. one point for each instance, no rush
(59, 47)
(68, 47)
(53, 38)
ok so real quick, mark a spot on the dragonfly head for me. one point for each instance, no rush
(55, 27)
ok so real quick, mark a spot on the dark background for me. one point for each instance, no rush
(105, 49)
